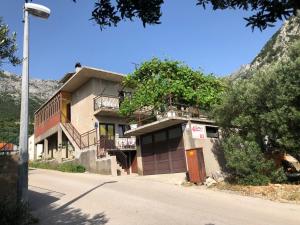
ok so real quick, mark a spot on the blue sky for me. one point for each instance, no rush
(214, 41)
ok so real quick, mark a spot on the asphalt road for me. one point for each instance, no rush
(63, 198)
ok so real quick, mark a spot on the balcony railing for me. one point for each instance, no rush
(106, 102)
(168, 111)
(120, 143)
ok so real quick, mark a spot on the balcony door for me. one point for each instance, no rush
(107, 134)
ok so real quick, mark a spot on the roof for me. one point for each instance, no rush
(73, 81)
(66, 77)
(164, 123)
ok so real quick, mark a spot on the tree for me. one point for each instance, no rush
(157, 82)
(261, 115)
(266, 12)
(247, 164)
(8, 47)
(266, 105)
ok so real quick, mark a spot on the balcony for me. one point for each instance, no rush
(117, 143)
(106, 105)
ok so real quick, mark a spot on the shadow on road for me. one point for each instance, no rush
(42, 202)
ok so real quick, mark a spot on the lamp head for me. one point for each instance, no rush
(37, 10)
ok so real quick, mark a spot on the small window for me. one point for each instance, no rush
(175, 133)
(123, 95)
(212, 132)
(147, 140)
(160, 136)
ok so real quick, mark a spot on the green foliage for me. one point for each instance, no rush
(108, 13)
(266, 13)
(266, 105)
(155, 82)
(10, 116)
(63, 167)
(13, 213)
(8, 46)
(247, 163)
(71, 167)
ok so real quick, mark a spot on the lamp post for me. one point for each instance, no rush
(41, 12)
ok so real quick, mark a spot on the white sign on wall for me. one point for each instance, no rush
(198, 131)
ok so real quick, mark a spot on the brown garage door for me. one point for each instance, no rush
(163, 152)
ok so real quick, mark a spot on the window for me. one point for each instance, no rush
(122, 129)
(212, 132)
(123, 95)
(107, 130)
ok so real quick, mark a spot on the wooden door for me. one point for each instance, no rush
(69, 112)
(196, 166)
(163, 152)
(134, 167)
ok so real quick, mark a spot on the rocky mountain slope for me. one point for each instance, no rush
(275, 50)
(38, 89)
(10, 96)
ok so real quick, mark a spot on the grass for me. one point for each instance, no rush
(70, 167)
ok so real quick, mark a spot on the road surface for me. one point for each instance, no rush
(64, 198)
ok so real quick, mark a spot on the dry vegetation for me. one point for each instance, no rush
(275, 192)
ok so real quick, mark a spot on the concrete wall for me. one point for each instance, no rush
(82, 108)
(139, 157)
(35, 151)
(212, 153)
(105, 166)
(82, 105)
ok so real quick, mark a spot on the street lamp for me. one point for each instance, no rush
(42, 12)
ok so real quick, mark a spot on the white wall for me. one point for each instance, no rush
(31, 149)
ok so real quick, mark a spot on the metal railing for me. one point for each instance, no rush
(84, 140)
(113, 143)
(121, 157)
(107, 146)
(125, 143)
(107, 102)
(165, 111)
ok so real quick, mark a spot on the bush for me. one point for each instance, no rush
(13, 213)
(247, 164)
(71, 167)
(63, 167)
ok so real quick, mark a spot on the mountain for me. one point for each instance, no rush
(275, 50)
(10, 98)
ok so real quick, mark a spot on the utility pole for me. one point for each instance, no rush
(23, 140)
(42, 12)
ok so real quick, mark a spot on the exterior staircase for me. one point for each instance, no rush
(83, 142)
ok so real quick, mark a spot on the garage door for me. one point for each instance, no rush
(163, 152)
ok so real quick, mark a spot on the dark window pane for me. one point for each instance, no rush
(212, 132)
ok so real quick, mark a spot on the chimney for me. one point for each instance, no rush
(77, 67)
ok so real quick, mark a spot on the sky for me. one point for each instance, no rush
(213, 41)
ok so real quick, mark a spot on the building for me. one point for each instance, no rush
(35, 152)
(81, 122)
(163, 144)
